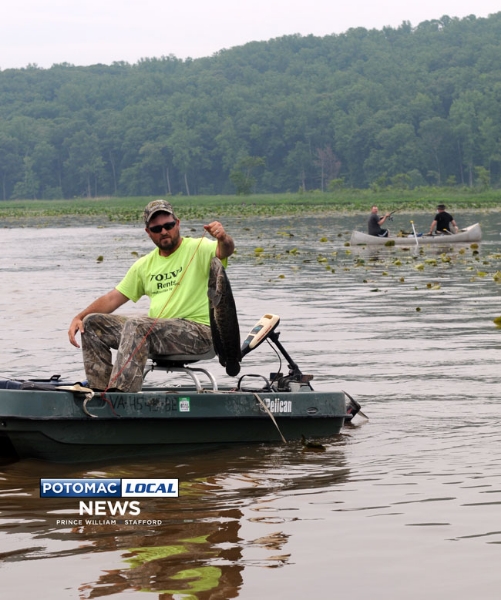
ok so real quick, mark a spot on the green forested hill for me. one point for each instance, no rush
(403, 107)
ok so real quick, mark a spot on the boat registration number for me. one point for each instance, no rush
(148, 404)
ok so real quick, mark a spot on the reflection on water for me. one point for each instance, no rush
(193, 544)
(409, 498)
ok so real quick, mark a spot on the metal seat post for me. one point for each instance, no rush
(178, 363)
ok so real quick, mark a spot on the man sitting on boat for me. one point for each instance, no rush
(443, 223)
(175, 277)
(375, 222)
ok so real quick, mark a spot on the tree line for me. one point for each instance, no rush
(401, 107)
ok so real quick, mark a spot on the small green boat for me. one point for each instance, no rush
(58, 422)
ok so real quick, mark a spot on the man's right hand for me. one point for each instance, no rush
(105, 304)
(75, 326)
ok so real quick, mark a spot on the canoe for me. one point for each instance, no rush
(58, 422)
(473, 233)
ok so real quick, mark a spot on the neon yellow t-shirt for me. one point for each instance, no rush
(177, 287)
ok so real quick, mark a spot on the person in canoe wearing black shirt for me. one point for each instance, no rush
(443, 222)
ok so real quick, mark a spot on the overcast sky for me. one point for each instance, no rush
(85, 32)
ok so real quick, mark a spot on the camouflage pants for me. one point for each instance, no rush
(126, 335)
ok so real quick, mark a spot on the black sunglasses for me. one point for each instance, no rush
(167, 226)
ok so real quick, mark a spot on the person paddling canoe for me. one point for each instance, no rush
(443, 222)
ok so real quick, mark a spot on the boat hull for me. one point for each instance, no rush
(55, 426)
(473, 233)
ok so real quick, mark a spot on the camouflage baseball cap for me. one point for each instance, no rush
(156, 206)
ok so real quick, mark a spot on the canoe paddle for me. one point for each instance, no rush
(415, 234)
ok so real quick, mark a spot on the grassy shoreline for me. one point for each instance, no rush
(345, 201)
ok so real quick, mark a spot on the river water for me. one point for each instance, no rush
(405, 504)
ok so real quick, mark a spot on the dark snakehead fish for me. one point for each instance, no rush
(223, 319)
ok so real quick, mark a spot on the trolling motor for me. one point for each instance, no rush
(263, 330)
(295, 381)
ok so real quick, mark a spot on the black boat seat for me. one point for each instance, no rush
(179, 363)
